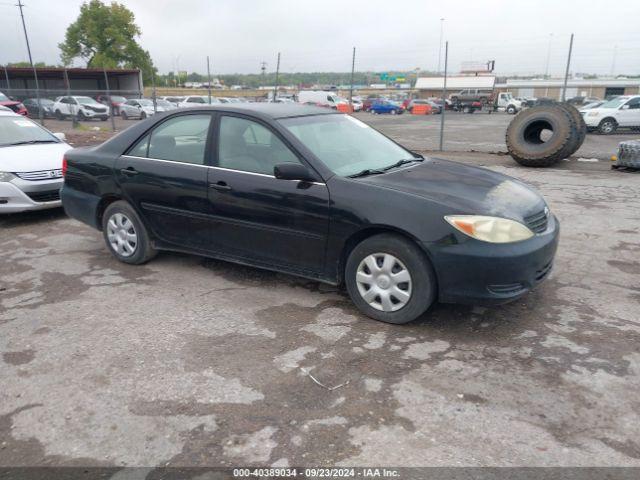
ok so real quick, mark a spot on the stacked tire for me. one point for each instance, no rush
(543, 135)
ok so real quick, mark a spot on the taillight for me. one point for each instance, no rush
(64, 166)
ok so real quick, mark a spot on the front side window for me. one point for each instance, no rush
(180, 139)
(248, 146)
(634, 104)
(344, 144)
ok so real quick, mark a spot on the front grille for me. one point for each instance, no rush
(506, 289)
(45, 196)
(543, 272)
(40, 175)
(537, 223)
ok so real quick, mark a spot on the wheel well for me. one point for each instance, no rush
(362, 235)
(609, 118)
(102, 206)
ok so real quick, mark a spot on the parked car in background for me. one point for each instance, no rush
(83, 108)
(31, 104)
(580, 101)
(366, 103)
(505, 101)
(484, 96)
(357, 105)
(435, 108)
(197, 100)
(172, 99)
(139, 108)
(622, 111)
(385, 106)
(438, 101)
(320, 98)
(113, 102)
(337, 202)
(165, 104)
(13, 105)
(30, 164)
(590, 106)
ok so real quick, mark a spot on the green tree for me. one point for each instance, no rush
(105, 37)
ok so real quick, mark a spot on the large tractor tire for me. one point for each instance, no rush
(580, 126)
(527, 142)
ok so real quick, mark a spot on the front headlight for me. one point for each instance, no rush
(592, 114)
(6, 176)
(490, 229)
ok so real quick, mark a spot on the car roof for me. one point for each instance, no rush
(269, 111)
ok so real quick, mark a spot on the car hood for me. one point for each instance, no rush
(464, 189)
(32, 158)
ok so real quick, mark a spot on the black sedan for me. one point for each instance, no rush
(33, 107)
(315, 193)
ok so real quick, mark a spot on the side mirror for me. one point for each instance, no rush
(293, 171)
(60, 136)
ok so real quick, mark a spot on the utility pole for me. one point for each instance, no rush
(440, 44)
(153, 91)
(566, 72)
(263, 69)
(613, 62)
(208, 80)
(111, 109)
(353, 66)
(546, 68)
(71, 107)
(6, 76)
(444, 95)
(275, 89)
(35, 74)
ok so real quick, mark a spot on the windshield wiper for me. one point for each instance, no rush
(402, 162)
(366, 172)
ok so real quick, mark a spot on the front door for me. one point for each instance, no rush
(164, 176)
(629, 113)
(258, 217)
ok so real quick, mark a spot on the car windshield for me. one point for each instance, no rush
(614, 103)
(145, 102)
(19, 131)
(86, 101)
(344, 144)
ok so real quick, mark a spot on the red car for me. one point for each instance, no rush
(17, 107)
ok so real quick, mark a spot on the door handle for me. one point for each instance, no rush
(220, 186)
(129, 171)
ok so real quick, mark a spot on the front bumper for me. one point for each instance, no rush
(91, 114)
(481, 273)
(23, 195)
(592, 121)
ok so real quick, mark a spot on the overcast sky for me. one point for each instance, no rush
(319, 35)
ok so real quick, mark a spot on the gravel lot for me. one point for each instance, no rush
(197, 362)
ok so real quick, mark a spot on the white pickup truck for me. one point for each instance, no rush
(505, 101)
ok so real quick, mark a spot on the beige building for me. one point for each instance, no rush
(601, 88)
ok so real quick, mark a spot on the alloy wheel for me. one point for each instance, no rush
(384, 282)
(122, 235)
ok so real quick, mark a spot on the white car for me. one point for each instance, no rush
(197, 100)
(357, 105)
(83, 108)
(30, 164)
(139, 108)
(172, 99)
(623, 111)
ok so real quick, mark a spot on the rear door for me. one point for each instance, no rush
(629, 114)
(164, 176)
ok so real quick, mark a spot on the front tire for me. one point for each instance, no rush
(125, 235)
(124, 115)
(390, 279)
(607, 126)
(511, 110)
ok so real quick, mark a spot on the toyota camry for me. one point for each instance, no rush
(315, 193)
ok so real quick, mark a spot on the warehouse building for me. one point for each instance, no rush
(531, 88)
(599, 87)
(20, 82)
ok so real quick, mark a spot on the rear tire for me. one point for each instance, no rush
(125, 235)
(399, 268)
(124, 115)
(59, 115)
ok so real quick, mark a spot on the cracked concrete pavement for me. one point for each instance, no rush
(190, 361)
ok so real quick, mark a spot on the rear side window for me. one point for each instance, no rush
(180, 139)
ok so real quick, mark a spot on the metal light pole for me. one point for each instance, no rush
(566, 72)
(275, 89)
(440, 44)
(353, 66)
(208, 80)
(153, 91)
(546, 68)
(444, 96)
(35, 74)
(613, 62)
(6, 76)
(111, 109)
